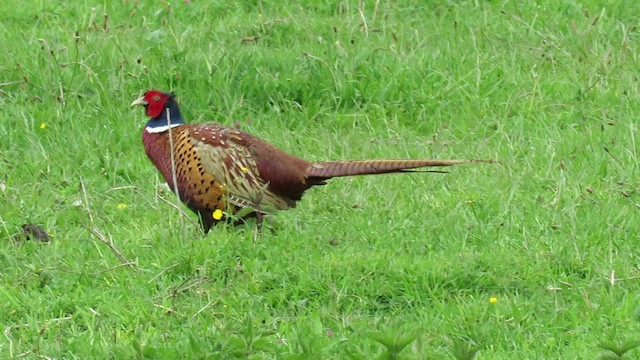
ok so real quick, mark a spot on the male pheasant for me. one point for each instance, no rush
(218, 171)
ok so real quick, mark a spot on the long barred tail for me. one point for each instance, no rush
(330, 169)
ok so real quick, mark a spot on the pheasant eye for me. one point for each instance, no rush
(156, 98)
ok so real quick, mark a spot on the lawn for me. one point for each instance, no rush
(534, 257)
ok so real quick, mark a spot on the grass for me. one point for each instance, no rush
(389, 267)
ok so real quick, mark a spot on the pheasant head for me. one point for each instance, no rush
(162, 108)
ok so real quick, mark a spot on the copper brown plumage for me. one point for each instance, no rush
(218, 170)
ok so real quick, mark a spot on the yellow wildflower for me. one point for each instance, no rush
(244, 169)
(121, 206)
(493, 300)
(217, 214)
(43, 125)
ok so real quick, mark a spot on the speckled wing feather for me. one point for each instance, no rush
(227, 155)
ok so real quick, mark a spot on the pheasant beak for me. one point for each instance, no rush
(140, 101)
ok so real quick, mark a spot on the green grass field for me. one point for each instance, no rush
(536, 257)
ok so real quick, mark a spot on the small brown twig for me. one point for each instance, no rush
(93, 229)
(100, 236)
(11, 83)
(130, 187)
(10, 328)
(182, 212)
(126, 264)
(162, 272)
(189, 283)
(212, 302)
(167, 309)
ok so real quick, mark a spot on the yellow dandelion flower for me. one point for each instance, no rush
(217, 214)
(493, 300)
(121, 206)
(43, 125)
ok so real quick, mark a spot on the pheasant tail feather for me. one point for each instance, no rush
(330, 169)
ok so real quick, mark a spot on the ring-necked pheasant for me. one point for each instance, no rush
(218, 170)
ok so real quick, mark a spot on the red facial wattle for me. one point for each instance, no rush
(155, 102)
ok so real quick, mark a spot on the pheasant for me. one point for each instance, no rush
(219, 171)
